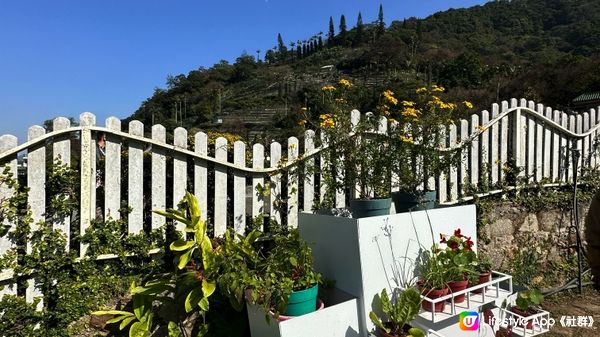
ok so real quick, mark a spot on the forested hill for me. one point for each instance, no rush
(544, 50)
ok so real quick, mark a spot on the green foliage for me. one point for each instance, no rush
(399, 313)
(529, 298)
(181, 293)
(19, 318)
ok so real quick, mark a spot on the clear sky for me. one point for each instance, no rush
(61, 58)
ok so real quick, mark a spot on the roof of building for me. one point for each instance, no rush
(586, 97)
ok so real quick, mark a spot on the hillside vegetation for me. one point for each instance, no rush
(544, 50)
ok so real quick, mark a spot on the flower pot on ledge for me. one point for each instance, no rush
(415, 201)
(363, 208)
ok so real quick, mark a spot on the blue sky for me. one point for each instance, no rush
(61, 58)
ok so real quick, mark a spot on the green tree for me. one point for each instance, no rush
(380, 22)
(331, 33)
(359, 30)
(281, 48)
(343, 30)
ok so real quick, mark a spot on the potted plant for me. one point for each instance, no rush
(399, 313)
(284, 281)
(416, 140)
(433, 281)
(458, 257)
(357, 158)
(527, 303)
(483, 272)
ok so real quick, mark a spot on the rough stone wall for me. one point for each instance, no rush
(507, 228)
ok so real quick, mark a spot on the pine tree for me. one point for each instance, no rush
(343, 30)
(298, 51)
(281, 48)
(380, 22)
(320, 43)
(359, 30)
(331, 33)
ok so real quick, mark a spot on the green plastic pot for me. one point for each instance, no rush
(416, 201)
(370, 207)
(302, 302)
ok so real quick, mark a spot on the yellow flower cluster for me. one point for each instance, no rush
(468, 104)
(421, 90)
(436, 101)
(327, 121)
(328, 88)
(408, 103)
(345, 83)
(389, 97)
(436, 88)
(302, 122)
(406, 139)
(410, 112)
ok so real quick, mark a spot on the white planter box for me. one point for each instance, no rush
(540, 322)
(367, 255)
(338, 318)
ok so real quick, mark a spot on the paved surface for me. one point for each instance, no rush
(573, 304)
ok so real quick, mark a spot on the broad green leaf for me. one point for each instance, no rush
(293, 261)
(126, 322)
(174, 330)
(192, 299)
(184, 258)
(208, 288)
(193, 204)
(139, 306)
(203, 304)
(206, 247)
(181, 244)
(116, 319)
(138, 330)
(386, 305)
(377, 322)
(112, 312)
(415, 332)
(174, 214)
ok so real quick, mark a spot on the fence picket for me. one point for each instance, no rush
(484, 150)
(258, 160)
(159, 176)
(572, 146)
(454, 178)
(239, 188)
(309, 176)
(7, 142)
(61, 150)
(201, 173)
(474, 154)
(504, 142)
(585, 150)
(579, 142)
(36, 198)
(275, 199)
(220, 210)
(442, 180)
(547, 160)
(564, 146)
(136, 179)
(179, 170)
(88, 176)
(112, 175)
(556, 150)
(539, 146)
(292, 190)
(593, 145)
(494, 147)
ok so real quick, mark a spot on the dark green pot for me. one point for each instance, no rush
(302, 302)
(370, 207)
(417, 201)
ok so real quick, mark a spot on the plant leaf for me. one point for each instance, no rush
(203, 304)
(377, 322)
(386, 305)
(184, 258)
(192, 299)
(138, 330)
(181, 244)
(208, 288)
(203, 330)
(116, 319)
(126, 322)
(112, 312)
(174, 330)
(416, 332)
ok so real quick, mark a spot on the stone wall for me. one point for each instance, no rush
(507, 230)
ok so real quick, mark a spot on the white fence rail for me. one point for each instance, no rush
(225, 176)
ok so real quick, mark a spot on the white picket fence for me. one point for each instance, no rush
(541, 141)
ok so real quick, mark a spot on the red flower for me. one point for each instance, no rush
(442, 238)
(457, 233)
(469, 243)
(453, 244)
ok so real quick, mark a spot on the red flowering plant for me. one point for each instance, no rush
(458, 255)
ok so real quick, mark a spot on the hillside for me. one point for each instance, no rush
(545, 50)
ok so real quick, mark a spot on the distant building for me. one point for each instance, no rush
(586, 101)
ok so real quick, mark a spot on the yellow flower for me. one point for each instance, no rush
(421, 90)
(391, 120)
(408, 103)
(406, 139)
(340, 100)
(345, 83)
(410, 112)
(437, 88)
(329, 88)
(389, 96)
(468, 104)
(302, 122)
(304, 109)
(327, 121)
